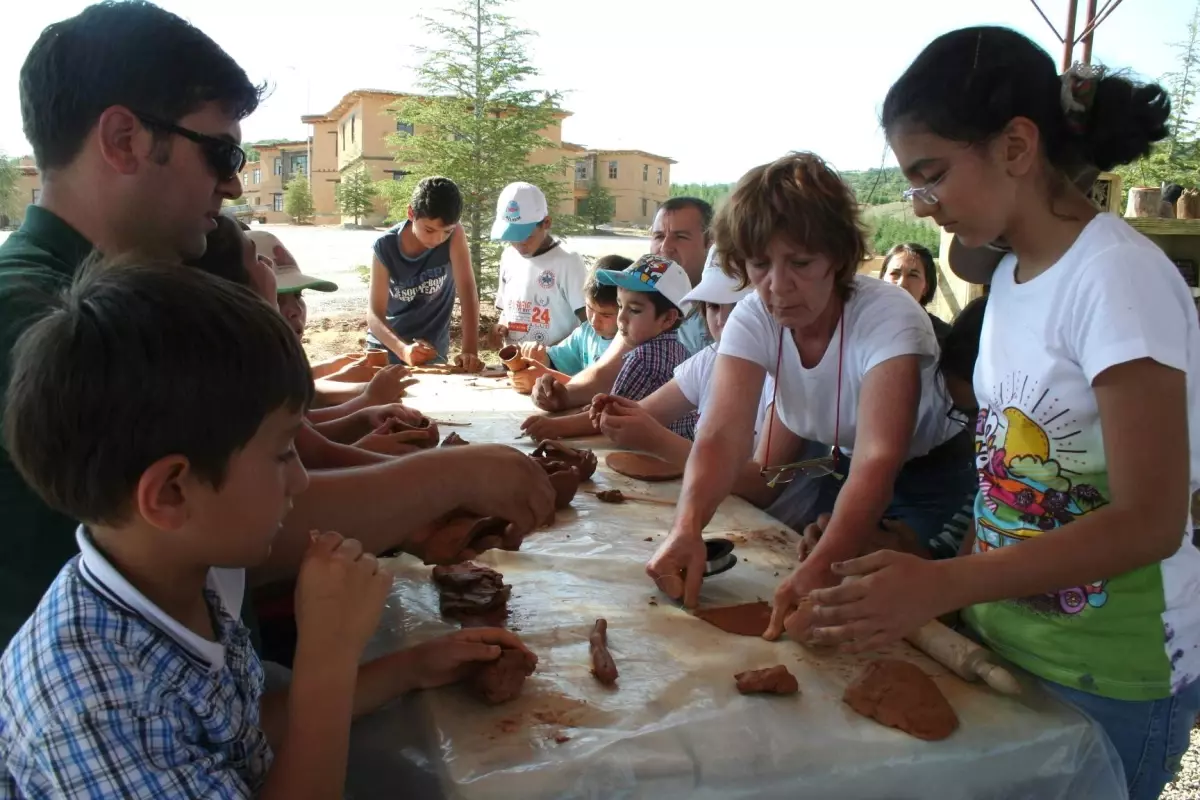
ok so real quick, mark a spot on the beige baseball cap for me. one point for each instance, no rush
(288, 277)
(976, 264)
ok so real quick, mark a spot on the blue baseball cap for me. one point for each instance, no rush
(652, 274)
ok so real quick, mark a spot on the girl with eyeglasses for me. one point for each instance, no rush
(1088, 445)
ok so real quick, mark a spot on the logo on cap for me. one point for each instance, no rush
(512, 212)
(651, 269)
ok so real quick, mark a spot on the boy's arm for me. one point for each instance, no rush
(332, 393)
(594, 379)
(468, 292)
(377, 311)
(570, 426)
(318, 452)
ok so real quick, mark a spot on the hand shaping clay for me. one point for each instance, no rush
(453, 440)
(610, 496)
(394, 425)
(603, 666)
(772, 680)
(501, 680)
(799, 623)
(565, 481)
(643, 467)
(472, 594)
(900, 695)
(748, 619)
(461, 537)
(582, 460)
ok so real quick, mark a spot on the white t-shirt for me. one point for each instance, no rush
(882, 322)
(694, 379)
(537, 297)
(1112, 298)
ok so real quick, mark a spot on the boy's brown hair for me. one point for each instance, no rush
(801, 197)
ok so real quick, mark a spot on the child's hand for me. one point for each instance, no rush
(497, 481)
(812, 535)
(417, 353)
(599, 403)
(540, 427)
(629, 425)
(357, 371)
(340, 593)
(536, 351)
(398, 443)
(451, 658)
(498, 335)
(387, 386)
(806, 578)
(525, 380)
(374, 416)
(549, 394)
(469, 362)
(892, 595)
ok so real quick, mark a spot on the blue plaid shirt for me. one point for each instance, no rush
(104, 696)
(648, 367)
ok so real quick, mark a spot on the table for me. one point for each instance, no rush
(675, 726)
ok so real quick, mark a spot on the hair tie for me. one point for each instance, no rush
(1077, 94)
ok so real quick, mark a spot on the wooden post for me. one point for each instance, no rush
(1069, 38)
(1090, 16)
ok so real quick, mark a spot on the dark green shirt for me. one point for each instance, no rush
(36, 263)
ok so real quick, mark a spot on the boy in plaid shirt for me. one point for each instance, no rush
(158, 405)
(650, 299)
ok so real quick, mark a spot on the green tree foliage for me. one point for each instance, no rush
(479, 123)
(10, 199)
(356, 193)
(713, 193)
(872, 187)
(298, 201)
(599, 206)
(251, 148)
(888, 231)
(1176, 159)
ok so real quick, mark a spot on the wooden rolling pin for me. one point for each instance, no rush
(967, 659)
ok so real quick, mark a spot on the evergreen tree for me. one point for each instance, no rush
(356, 194)
(298, 201)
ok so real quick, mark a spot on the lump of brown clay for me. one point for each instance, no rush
(900, 695)
(461, 537)
(603, 666)
(472, 594)
(453, 440)
(501, 680)
(424, 426)
(748, 619)
(565, 482)
(610, 496)
(772, 680)
(583, 460)
(642, 467)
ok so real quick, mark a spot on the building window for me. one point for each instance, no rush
(404, 127)
(343, 136)
(255, 201)
(278, 165)
(644, 209)
(300, 165)
(257, 175)
(645, 172)
(660, 176)
(612, 170)
(581, 170)
(277, 202)
(353, 117)
(36, 194)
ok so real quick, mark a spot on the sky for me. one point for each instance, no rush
(717, 86)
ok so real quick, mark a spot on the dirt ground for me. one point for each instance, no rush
(343, 331)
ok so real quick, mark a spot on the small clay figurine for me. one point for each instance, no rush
(603, 666)
(772, 680)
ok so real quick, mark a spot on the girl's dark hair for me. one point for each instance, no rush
(921, 252)
(223, 253)
(967, 85)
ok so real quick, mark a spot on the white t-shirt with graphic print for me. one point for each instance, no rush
(538, 297)
(882, 322)
(1112, 298)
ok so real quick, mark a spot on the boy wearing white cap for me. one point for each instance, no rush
(540, 292)
(650, 299)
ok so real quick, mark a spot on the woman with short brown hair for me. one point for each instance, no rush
(854, 364)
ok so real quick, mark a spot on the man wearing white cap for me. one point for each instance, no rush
(540, 292)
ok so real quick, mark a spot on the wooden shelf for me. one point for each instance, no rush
(1151, 226)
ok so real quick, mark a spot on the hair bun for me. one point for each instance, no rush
(1126, 120)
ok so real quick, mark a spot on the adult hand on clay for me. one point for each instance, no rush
(497, 481)
(536, 351)
(449, 659)
(340, 593)
(525, 380)
(883, 597)
(417, 353)
(388, 384)
(549, 394)
(677, 567)
(469, 362)
(812, 535)
(811, 574)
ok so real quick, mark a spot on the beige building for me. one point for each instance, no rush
(355, 132)
(264, 181)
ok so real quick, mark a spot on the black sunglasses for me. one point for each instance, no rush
(225, 158)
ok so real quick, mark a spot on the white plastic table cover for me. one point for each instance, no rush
(675, 726)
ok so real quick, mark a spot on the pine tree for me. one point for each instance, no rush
(298, 201)
(480, 121)
(599, 206)
(356, 194)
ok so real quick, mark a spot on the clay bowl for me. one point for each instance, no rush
(643, 467)
(377, 357)
(510, 356)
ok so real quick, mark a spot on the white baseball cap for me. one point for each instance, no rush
(518, 211)
(715, 286)
(288, 277)
(652, 274)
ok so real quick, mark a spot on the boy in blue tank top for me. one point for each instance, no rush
(418, 268)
